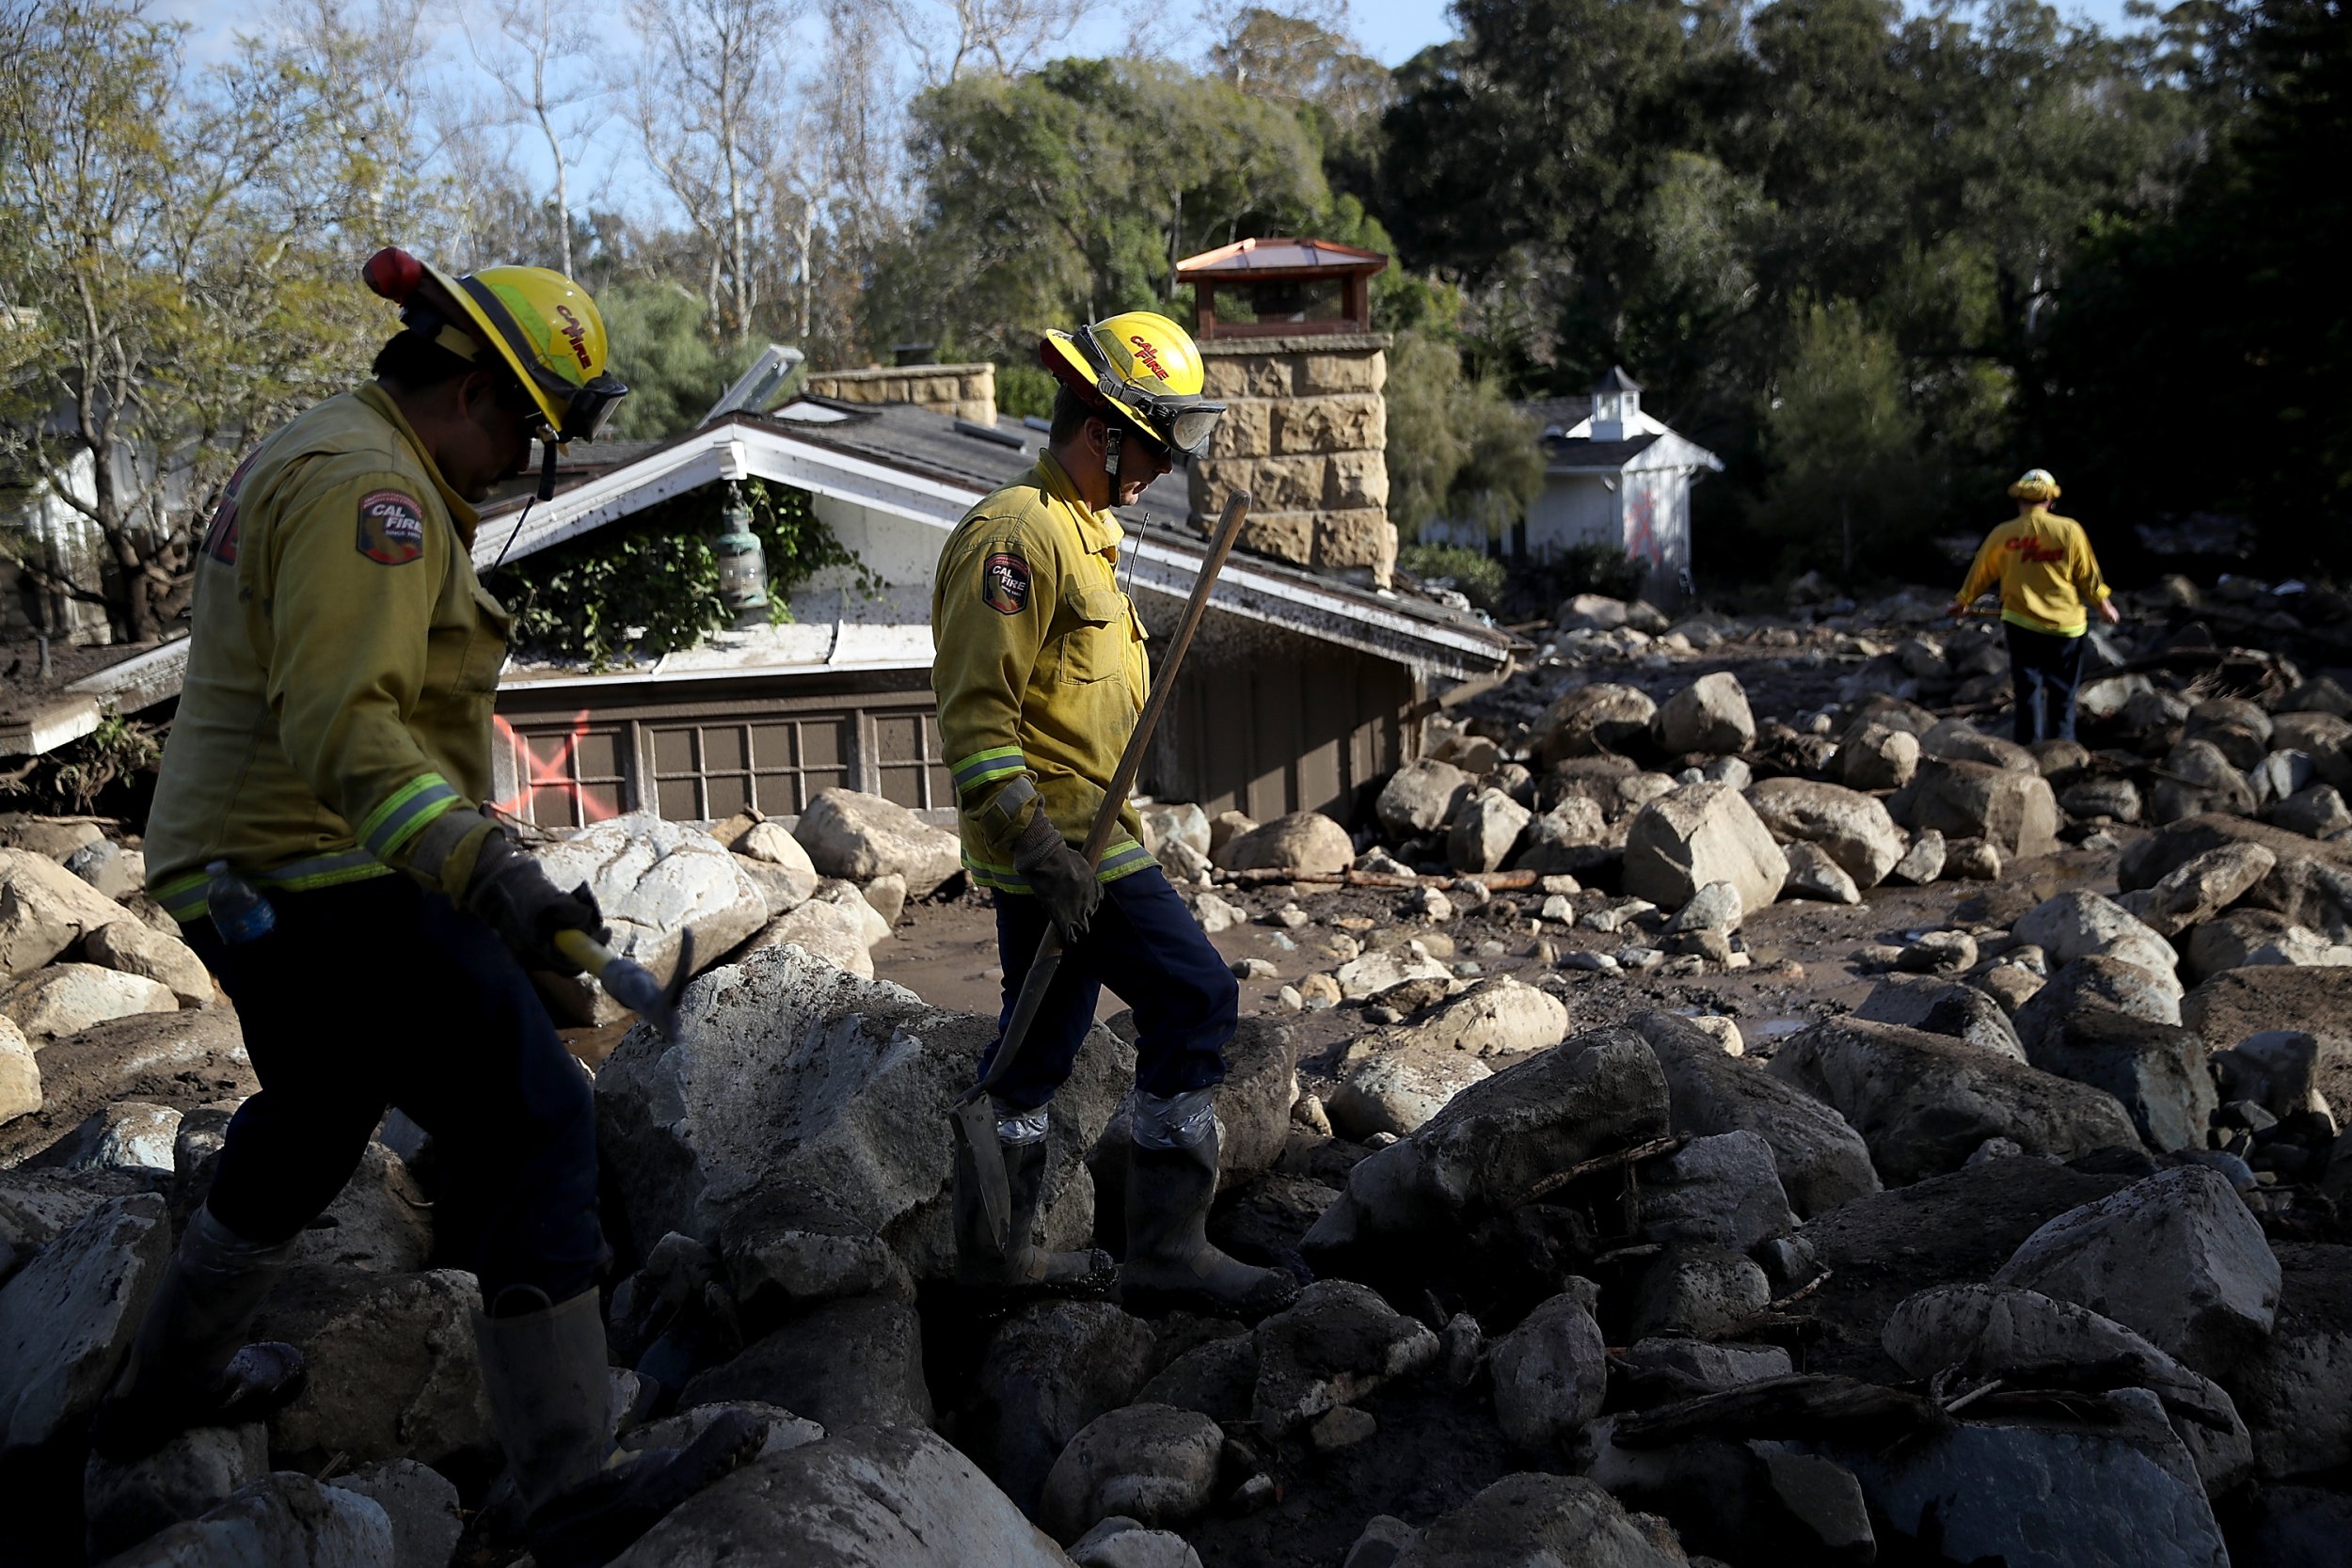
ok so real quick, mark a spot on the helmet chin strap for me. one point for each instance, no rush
(1112, 441)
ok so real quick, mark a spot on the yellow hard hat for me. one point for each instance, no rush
(1144, 366)
(2035, 484)
(544, 326)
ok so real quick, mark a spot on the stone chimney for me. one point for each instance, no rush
(959, 391)
(1305, 433)
(1285, 333)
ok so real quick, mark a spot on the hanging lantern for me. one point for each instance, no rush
(742, 564)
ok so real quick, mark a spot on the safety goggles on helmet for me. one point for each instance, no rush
(1183, 424)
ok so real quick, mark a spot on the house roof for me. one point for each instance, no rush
(1279, 259)
(1615, 381)
(927, 468)
(1582, 452)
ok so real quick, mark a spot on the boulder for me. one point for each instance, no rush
(2157, 1071)
(2294, 1387)
(1563, 839)
(2319, 811)
(1715, 907)
(1596, 1093)
(117, 873)
(1701, 834)
(393, 1372)
(864, 836)
(1150, 1463)
(1497, 1018)
(1218, 1379)
(1988, 1331)
(123, 1504)
(1957, 740)
(790, 875)
(790, 1246)
(2311, 884)
(1709, 715)
(2084, 925)
(788, 1068)
(1398, 1089)
(2116, 1491)
(1813, 875)
(1924, 1103)
(1873, 757)
(1550, 1373)
(2012, 811)
(822, 929)
(1336, 1344)
(45, 910)
(126, 1135)
(182, 1059)
(2096, 982)
(1486, 831)
(1594, 720)
(654, 881)
(136, 948)
(1538, 1520)
(1053, 1367)
(20, 1073)
(1942, 1007)
(2280, 1070)
(1723, 1189)
(1922, 863)
(1385, 967)
(1699, 1289)
(1422, 797)
(420, 1503)
(2197, 778)
(284, 1517)
(2204, 885)
(2174, 1256)
(1850, 827)
(848, 1363)
(66, 999)
(1183, 823)
(1303, 840)
(872, 1497)
(1821, 1160)
(1122, 1542)
(67, 1317)
(2116, 800)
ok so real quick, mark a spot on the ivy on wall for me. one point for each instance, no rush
(650, 586)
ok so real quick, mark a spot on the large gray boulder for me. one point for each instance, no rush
(284, 1517)
(1596, 719)
(1422, 796)
(2294, 1387)
(123, 1504)
(1550, 1373)
(1711, 714)
(1150, 1463)
(851, 1362)
(1925, 1102)
(20, 1073)
(2160, 1072)
(1338, 1344)
(1874, 756)
(1304, 841)
(1595, 1094)
(1050, 1370)
(1700, 833)
(394, 1370)
(68, 1317)
(870, 1497)
(1851, 827)
(2203, 885)
(66, 999)
(421, 1505)
(2012, 811)
(2085, 925)
(1993, 1331)
(45, 910)
(1943, 1007)
(1398, 1087)
(184, 1058)
(1534, 1521)
(654, 881)
(2174, 1256)
(788, 1068)
(1821, 1160)
(1486, 831)
(1722, 1190)
(862, 837)
(136, 947)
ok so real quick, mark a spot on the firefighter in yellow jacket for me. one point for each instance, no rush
(1041, 673)
(2049, 582)
(316, 832)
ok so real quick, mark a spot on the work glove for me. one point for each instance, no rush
(515, 898)
(1059, 875)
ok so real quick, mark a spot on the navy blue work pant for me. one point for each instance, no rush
(1146, 947)
(378, 993)
(2043, 670)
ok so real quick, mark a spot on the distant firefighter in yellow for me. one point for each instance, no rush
(2049, 582)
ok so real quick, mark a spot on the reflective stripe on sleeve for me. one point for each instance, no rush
(981, 767)
(404, 813)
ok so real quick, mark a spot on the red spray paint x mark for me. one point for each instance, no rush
(552, 774)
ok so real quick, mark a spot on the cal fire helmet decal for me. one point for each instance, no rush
(391, 528)
(1005, 583)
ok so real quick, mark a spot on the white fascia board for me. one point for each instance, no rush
(585, 680)
(1673, 451)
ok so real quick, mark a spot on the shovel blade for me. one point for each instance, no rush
(975, 1123)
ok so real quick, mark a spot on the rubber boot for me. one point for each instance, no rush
(190, 1366)
(1169, 1260)
(1024, 1265)
(551, 1396)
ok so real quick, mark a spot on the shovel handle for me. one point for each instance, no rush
(584, 950)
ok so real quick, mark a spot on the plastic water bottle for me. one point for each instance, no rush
(239, 914)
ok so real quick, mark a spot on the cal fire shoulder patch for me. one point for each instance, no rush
(391, 528)
(1005, 583)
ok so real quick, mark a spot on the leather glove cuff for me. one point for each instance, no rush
(511, 894)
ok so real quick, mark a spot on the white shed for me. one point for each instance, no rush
(1613, 475)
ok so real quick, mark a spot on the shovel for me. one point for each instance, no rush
(972, 1117)
(631, 983)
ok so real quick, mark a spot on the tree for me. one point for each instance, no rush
(1456, 447)
(662, 353)
(176, 255)
(949, 38)
(544, 63)
(1843, 441)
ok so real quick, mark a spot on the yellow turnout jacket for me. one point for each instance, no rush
(341, 666)
(2045, 569)
(1040, 670)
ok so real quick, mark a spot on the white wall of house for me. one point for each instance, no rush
(50, 531)
(1573, 508)
(902, 552)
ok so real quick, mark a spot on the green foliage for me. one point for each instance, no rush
(663, 352)
(1844, 444)
(1456, 447)
(1478, 576)
(70, 781)
(1594, 569)
(650, 586)
(1025, 390)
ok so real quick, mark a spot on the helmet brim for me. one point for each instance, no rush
(445, 294)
